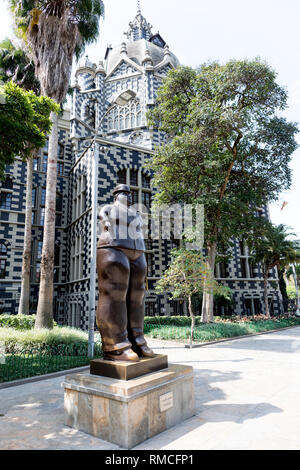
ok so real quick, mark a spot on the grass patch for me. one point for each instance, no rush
(216, 331)
(37, 352)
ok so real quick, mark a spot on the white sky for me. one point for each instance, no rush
(198, 30)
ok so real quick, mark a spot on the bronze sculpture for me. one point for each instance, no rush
(122, 268)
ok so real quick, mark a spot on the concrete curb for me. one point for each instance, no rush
(225, 340)
(39, 378)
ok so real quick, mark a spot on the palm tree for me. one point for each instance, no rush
(15, 65)
(274, 249)
(55, 31)
(290, 272)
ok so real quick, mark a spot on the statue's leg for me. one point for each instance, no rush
(113, 276)
(135, 306)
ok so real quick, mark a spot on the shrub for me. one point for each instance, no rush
(39, 340)
(18, 322)
(174, 321)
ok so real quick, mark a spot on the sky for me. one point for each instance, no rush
(198, 31)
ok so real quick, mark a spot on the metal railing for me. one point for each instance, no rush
(20, 361)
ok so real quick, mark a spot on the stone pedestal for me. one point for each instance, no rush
(127, 413)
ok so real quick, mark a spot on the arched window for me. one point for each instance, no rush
(125, 117)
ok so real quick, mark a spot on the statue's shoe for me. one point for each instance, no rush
(144, 351)
(125, 356)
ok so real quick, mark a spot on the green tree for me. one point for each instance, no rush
(228, 148)
(55, 31)
(16, 66)
(274, 249)
(24, 120)
(186, 276)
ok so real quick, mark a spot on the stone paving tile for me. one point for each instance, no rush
(247, 397)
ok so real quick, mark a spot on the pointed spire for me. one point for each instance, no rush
(139, 28)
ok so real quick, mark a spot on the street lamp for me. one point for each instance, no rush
(121, 100)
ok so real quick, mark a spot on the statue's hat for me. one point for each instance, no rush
(122, 188)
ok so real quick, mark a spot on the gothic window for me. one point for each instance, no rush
(125, 117)
(77, 258)
(146, 199)
(134, 178)
(146, 181)
(135, 196)
(79, 197)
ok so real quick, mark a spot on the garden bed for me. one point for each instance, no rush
(37, 352)
(221, 329)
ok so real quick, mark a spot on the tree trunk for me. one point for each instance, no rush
(208, 296)
(25, 282)
(267, 310)
(192, 318)
(44, 317)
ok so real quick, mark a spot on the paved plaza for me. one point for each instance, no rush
(247, 397)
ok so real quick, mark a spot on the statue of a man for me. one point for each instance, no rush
(122, 270)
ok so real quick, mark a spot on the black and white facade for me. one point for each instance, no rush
(110, 100)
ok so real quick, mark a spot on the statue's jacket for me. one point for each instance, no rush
(121, 227)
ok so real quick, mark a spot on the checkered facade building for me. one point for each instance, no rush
(125, 144)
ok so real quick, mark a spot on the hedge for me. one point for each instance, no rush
(14, 340)
(18, 322)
